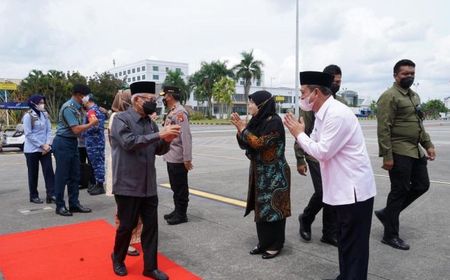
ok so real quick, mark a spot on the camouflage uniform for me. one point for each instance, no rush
(95, 144)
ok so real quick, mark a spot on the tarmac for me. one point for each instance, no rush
(214, 244)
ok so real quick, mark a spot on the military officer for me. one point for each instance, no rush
(402, 140)
(179, 157)
(94, 139)
(65, 148)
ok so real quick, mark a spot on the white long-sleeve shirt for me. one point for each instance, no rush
(337, 142)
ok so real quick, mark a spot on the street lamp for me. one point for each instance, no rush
(297, 112)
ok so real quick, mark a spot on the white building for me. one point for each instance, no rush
(148, 70)
(447, 102)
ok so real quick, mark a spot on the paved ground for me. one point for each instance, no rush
(216, 241)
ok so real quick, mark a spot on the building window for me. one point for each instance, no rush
(138, 69)
(241, 82)
(133, 70)
(120, 73)
(134, 79)
(155, 68)
(143, 68)
(115, 75)
(143, 77)
(258, 83)
(155, 77)
(178, 69)
(138, 78)
(129, 79)
(128, 71)
(167, 69)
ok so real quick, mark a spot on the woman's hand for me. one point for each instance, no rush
(237, 122)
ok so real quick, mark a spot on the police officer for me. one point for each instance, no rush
(179, 157)
(65, 148)
(329, 234)
(401, 140)
(94, 139)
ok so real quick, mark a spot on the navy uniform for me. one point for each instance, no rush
(65, 149)
(179, 154)
(94, 139)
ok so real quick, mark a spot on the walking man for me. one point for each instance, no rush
(337, 142)
(402, 140)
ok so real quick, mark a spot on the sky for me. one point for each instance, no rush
(365, 38)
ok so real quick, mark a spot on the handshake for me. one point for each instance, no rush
(170, 132)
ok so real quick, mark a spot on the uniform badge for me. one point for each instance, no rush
(180, 117)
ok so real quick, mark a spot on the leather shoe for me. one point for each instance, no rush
(63, 212)
(256, 251)
(133, 253)
(36, 200)
(267, 255)
(119, 268)
(331, 240)
(50, 199)
(98, 189)
(381, 216)
(79, 209)
(156, 274)
(305, 230)
(395, 242)
(170, 215)
(175, 220)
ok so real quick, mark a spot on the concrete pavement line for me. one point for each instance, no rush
(216, 197)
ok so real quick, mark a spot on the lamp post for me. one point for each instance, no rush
(296, 91)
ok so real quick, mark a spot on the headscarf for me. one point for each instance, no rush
(122, 100)
(266, 108)
(33, 101)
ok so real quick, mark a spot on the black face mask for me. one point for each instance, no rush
(334, 88)
(165, 102)
(149, 107)
(407, 82)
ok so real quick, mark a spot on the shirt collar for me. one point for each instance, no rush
(321, 113)
(401, 90)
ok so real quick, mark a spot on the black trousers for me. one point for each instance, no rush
(129, 209)
(409, 180)
(33, 160)
(315, 203)
(178, 178)
(353, 224)
(86, 171)
(271, 235)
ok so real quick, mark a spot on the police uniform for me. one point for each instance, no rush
(180, 152)
(402, 138)
(94, 139)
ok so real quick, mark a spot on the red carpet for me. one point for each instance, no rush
(79, 251)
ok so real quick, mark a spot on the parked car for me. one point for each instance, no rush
(13, 137)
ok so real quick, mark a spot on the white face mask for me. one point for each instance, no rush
(85, 99)
(41, 107)
(305, 105)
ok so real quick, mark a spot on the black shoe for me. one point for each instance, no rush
(170, 215)
(36, 200)
(79, 209)
(133, 253)
(381, 216)
(257, 251)
(396, 242)
(332, 240)
(98, 189)
(267, 255)
(91, 187)
(50, 199)
(63, 212)
(156, 274)
(305, 230)
(119, 268)
(175, 220)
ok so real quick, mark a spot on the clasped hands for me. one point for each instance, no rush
(237, 122)
(170, 132)
(295, 127)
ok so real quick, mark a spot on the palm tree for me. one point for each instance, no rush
(248, 70)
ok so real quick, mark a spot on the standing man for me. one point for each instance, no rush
(337, 142)
(135, 140)
(401, 140)
(315, 202)
(65, 149)
(94, 139)
(179, 157)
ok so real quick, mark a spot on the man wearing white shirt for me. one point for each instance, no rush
(337, 142)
